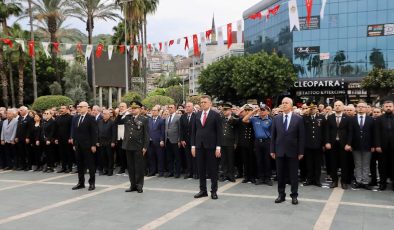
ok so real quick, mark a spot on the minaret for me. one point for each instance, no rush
(213, 36)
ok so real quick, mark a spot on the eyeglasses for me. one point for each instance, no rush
(80, 106)
(47, 113)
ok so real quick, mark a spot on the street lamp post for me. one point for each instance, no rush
(124, 2)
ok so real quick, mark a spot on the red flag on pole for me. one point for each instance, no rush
(195, 45)
(99, 50)
(256, 16)
(208, 34)
(150, 47)
(56, 46)
(229, 35)
(79, 48)
(140, 49)
(309, 4)
(31, 48)
(274, 10)
(160, 46)
(171, 43)
(186, 43)
(8, 42)
(121, 49)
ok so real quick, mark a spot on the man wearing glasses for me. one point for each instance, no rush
(84, 140)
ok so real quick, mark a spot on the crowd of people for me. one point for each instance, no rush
(352, 142)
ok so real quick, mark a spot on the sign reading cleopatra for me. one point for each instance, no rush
(320, 84)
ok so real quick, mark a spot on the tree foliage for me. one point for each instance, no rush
(380, 81)
(46, 102)
(157, 100)
(56, 88)
(131, 96)
(75, 83)
(157, 91)
(176, 93)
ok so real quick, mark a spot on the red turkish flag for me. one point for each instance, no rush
(309, 4)
(99, 50)
(132, 47)
(208, 34)
(121, 49)
(195, 45)
(256, 16)
(79, 48)
(229, 35)
(140, 49)
(186, 43)
(31, 48)
(150, 47)
(274, 10)
(56, 46)
(171, 43)
(160, 46)
(8, 42)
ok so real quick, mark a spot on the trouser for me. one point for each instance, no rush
(2, 157)
(375, 167)
(156, 158)
(10, 152)
(65, 153)
(121, 160)
(262, 151)
(85, 160)
(249, 159)
(37, 153)
(173, 158)
(327, 161)
(191, 162)
(21, 154)
(107, 158)
(340, 159)
(207, 163)
(136, 168)
(387, 163)
(227, 161)
(362, 161)
(49, 153)
(287, 165)
(313, 159)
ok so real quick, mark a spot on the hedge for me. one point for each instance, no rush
(131, 96)
(157, 100)
(47, 102)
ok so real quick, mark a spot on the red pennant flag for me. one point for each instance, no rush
(186, 43)
(56, 46)
(31, 48)
(309, 4)
(150, 47)
(208, 34)
(121, 49)
(140, 49)
(160, 46)
(8, 42)
(99, 50)
(256, 16)
(229, 35)
(273, 11)
(195, 45)
(171, 43)
(132, 47)
(79, 48)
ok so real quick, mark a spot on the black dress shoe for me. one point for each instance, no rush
(382, 187)
(253, 181)
(188, 176)
(67, 171)
(231, 180)
(222, 179)
(131, 189)
(307, 183)
(139, 190)
(177, 176)
(318, 184)
(334, 185)
(259, 182)
(150, 174)
(169, 175)
(196, 177)
(344, 186)
(91, 187)
(61, 171)
(280, 199)
(201, 194)
(268, 182)
(110, 174)
(244, 181)
(214, 196)
(78, 186)
(160, 175)
(294, 200)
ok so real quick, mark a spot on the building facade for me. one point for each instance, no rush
(335, 52)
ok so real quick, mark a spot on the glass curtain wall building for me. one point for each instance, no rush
(335, 52)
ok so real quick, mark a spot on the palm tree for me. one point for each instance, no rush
(6, 10)
(89, 10)
(18, 56)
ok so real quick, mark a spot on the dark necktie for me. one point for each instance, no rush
(361, 122)
(285, 123)
(204, 119)
(188, 118)
(338, 120)
(169, 121)
(80, 120)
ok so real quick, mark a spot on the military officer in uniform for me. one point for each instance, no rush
(229, 143)
(135, 143)
(314, 142)
(245, 143)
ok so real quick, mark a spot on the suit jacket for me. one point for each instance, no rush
(107, 132)
(63, 127)
(173, 129)
(362, 138)
(186, 127)
(136, 133)
(49, 130)
(85, 134)
(157, 129)
(8, 132)
(383, 135)
(344, 130)
(25, 125)
(208, 136)
(230, 131)
(288, 143)
(314, 132)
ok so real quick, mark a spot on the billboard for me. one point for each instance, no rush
(378, 30)
(314, 25)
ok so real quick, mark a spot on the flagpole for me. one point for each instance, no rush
(33, 58)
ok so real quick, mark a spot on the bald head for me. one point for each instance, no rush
(338, 107)
(23, 111)
(83, 107)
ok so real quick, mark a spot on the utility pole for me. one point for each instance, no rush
(33, 58)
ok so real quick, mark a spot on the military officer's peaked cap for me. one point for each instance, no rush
(135, 104)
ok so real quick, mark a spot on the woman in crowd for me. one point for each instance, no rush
(48, 128)
(37, 140)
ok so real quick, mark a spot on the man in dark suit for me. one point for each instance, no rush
(206, 141)
(107, 134)
(136, 142)
(314, 142)
(362, 145)
(63, 138)
(85, 140)
(121, 160)
(384, 142)
(287, 148)
(339, 139)
(22, 139)
(172, 137)
(186, 121)
(155, 151)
